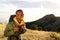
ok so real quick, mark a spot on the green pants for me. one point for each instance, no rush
(14, 38)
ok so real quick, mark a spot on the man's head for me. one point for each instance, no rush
(19, 14)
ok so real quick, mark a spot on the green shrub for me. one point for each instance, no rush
(58, 29)
(34, 27)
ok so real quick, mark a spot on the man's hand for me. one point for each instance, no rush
(22, 26)
(16, 29)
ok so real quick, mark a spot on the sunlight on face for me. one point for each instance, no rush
(19, 15)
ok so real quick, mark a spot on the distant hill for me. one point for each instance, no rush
(47, 23)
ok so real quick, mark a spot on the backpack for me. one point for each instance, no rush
(11, 18)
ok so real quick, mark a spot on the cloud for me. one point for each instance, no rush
(35, 8)
(55, 1)
(25, 0)
(26, 4)
(7, 8)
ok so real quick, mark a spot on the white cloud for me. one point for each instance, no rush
(7, 8)
(33, 9)
(55, 1)
(28, 4)
(32, 0)
(26, 0)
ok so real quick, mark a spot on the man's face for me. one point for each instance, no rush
(19, 15)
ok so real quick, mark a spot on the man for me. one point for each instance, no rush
(15, 27)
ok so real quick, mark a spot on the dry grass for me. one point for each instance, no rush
(32, 34)
(2, 28)
(40, 35)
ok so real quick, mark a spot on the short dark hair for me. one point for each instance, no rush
(19, 11)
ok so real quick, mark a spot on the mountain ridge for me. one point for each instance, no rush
(47, 23)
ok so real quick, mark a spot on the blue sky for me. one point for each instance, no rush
(33, 9)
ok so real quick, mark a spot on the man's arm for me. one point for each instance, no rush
(8, 30)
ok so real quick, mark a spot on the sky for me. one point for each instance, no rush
(33, 9)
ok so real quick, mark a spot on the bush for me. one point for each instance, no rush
(40, 28)
(58, 29)
(34, 27)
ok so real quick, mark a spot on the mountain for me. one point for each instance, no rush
(47, 23)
